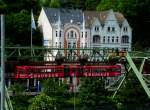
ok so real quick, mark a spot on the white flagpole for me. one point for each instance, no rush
(2, 63)
(31, 32)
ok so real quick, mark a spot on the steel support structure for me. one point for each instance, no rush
(39, 55)
(142, 57)
(2, 63)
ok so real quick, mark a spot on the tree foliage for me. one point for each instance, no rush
(41, 102)
(54, 4)
(18, 28)
(57, 90)
(91, 4)
(93, 93)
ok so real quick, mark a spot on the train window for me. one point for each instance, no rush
(21, 71)
(28, 71)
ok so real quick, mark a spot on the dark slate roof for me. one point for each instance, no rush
(66, 15)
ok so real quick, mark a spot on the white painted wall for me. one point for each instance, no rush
(49, 32)
(46, 27)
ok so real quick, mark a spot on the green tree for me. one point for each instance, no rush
(54, 4)
(18, 28)
(3, 7)
(91, 4)
(129, 91)
(44, 3)
(109, 4)
(56, 90)
(17, 101)
(93, 93)
(42, 102)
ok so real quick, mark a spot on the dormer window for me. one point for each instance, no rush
(96, 28)
(125, 29)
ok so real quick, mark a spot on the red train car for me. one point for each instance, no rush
(67, 71)
(39, 71)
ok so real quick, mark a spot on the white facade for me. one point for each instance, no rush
(105, 30)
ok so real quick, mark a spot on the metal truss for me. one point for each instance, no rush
(138, 69)
(47, 53)
(94, 55)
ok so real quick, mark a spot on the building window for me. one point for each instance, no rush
(104, 39)
(75, 35)
(60, 34)
(59, 44)
(108, 39)
(85, 45)
(81, 45)
(71, 34)
(82, 35)
(125, 49)
(46, 42)
(113, 39)
(85, 34)
(96, 39)
(96, 28)
(56, 33)
(56, 44)
(108, 29)
(125, 39)
(117, 40)
(68, 34)
(74, 45)
(113, 29)
(125, 29)
(69, 45)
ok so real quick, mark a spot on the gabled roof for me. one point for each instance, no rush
(66, 15)
(91, 15)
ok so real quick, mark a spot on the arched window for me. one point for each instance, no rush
(96, 39)
(125, 39)
(71, 34)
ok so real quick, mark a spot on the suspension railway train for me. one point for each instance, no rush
(56, 71)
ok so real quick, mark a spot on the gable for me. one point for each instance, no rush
(111, 16)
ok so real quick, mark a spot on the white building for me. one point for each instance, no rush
(67, 28)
